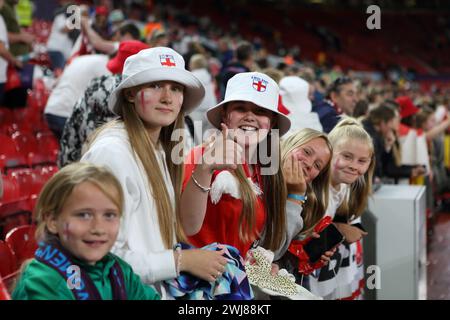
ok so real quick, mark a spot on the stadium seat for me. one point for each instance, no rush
(8, 260)
(48, 146)
(9, 156)
(22, 242)
(6, 116)
(4, 294)
(26, 144)
(11, 189)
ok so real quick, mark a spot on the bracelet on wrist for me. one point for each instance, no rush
(298, 197)
(178, 265)
(204, 189)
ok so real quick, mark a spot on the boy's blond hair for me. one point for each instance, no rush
(59, 188)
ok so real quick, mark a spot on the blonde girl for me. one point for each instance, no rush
(305, 157)
(352, 170)
(78, 214)
(155, 93)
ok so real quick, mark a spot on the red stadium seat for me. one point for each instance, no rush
(22, 242)
(11, 189)
(8, 260)
(28, 119)
(6, 116)
(48, 146)
(9, 155)
(15, 207)
(4, 294)
(26, 144)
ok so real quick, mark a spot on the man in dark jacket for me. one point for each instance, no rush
(242, 63)
(340, 99)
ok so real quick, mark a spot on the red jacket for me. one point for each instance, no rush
(221, 223)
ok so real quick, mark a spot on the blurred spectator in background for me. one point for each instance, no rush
(243, 62)
(294, 93)
(19, 40)
(275, 74)
(158, 38)
(381, 125)
(70, 87)
(198, 65)
(434, 129)
(116, 18)
(59, 43)
(6, 57)
(100, 24)
(340, 99)
(361, 109)
(91, 111)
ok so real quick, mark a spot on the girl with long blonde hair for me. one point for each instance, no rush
(155, 93)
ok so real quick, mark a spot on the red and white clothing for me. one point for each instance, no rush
(343, 276)
(224, 207)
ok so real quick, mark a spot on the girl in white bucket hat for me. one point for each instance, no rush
(155, 93)
(232, 199)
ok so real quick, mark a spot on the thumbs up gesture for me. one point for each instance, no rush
(222, 152)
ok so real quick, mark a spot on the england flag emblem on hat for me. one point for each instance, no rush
(259, 84)
(167, 60)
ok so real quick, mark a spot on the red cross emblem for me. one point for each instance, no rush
(167, 60)
(259, 85)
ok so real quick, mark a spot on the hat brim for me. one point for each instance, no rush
(214, 115)
(194, 92)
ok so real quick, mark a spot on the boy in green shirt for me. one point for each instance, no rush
(78, 214)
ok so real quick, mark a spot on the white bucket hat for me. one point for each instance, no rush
(254, 87)
(294, 96)
(158, 64)
(294, 92)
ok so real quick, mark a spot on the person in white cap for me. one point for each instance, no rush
(155, 92)
(230, 198)
(294, 96)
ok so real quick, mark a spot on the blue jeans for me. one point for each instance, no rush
(56, 124)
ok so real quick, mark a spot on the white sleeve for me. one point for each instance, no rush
(151, 266)
(294, 224)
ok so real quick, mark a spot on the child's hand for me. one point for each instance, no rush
(326, 257)
(222, 153)
(204, 264)
(351, 233)
(275, 269)
(293, 175)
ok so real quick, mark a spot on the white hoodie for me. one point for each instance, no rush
(139, 242)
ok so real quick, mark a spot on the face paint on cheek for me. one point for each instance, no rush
(66, 232)
(143, 100)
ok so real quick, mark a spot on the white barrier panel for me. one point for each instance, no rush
(400, 241)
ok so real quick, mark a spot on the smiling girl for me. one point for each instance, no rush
(78, 215)
(231, 198)
(352, 170)
(155, 93)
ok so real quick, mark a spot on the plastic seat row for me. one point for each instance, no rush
(19, 245)
(24, 149)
